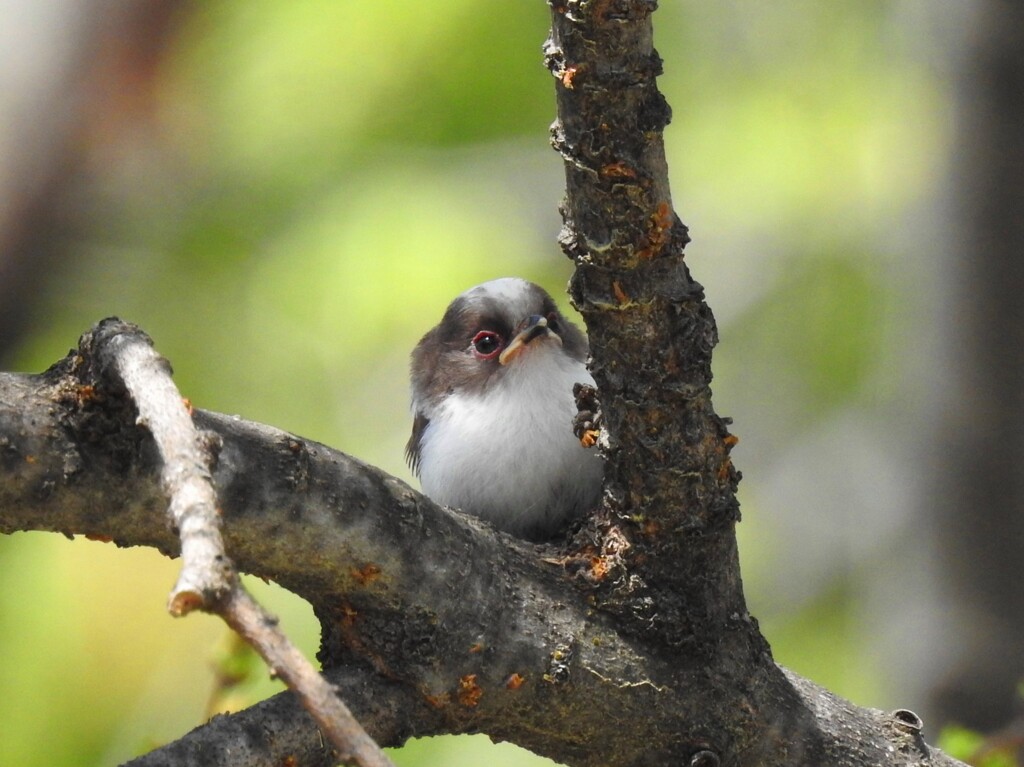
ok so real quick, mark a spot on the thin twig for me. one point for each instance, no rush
(208, 580)
(315, 693)
(207, 575)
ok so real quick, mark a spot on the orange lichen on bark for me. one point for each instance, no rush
(567, 77)
(515, 681)
(597, 564)
(620, 294)
(660, 222)
(618, 170)
(599, 568)
(722, 448)
(366, 574)
(438, 701)
(469, 691)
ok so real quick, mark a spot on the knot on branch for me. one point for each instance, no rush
(97, 409)
(705, 759)
(98, 351)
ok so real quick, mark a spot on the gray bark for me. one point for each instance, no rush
(433, 623)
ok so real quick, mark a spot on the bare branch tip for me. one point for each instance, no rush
(181, 603)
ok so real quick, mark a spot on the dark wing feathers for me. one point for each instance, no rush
(412, 447)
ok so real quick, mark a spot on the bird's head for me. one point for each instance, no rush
(488, 333)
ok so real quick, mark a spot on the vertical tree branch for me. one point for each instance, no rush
(670, 482)
(668, 565)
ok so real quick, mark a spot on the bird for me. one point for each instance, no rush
(493, 409)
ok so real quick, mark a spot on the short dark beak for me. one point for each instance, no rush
(534, 327)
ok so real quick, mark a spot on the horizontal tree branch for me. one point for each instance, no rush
(483, 629)
(464, 629)
(278, 731)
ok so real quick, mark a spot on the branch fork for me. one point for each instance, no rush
(208, 580)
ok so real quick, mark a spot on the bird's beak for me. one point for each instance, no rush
(534, 327)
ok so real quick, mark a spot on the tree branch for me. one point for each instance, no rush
(670, 480)
(126, 355)
(465, 629)
(123, 356)
(485, 633)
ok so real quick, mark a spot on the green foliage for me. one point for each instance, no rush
(972, 747)
(823, 640)
(235, 663)
(822, 324)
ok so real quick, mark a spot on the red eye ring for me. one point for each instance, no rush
(487, 345)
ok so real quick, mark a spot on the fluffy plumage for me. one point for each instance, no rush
(493, 409)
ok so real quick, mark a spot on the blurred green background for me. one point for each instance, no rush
(286, 196)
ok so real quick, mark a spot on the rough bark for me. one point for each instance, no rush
(435, 623)
(123, 357)
(630, 645)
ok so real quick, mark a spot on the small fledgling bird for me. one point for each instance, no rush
(492, 397)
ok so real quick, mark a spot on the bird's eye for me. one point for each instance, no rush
(487, 344)
(553, 323)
